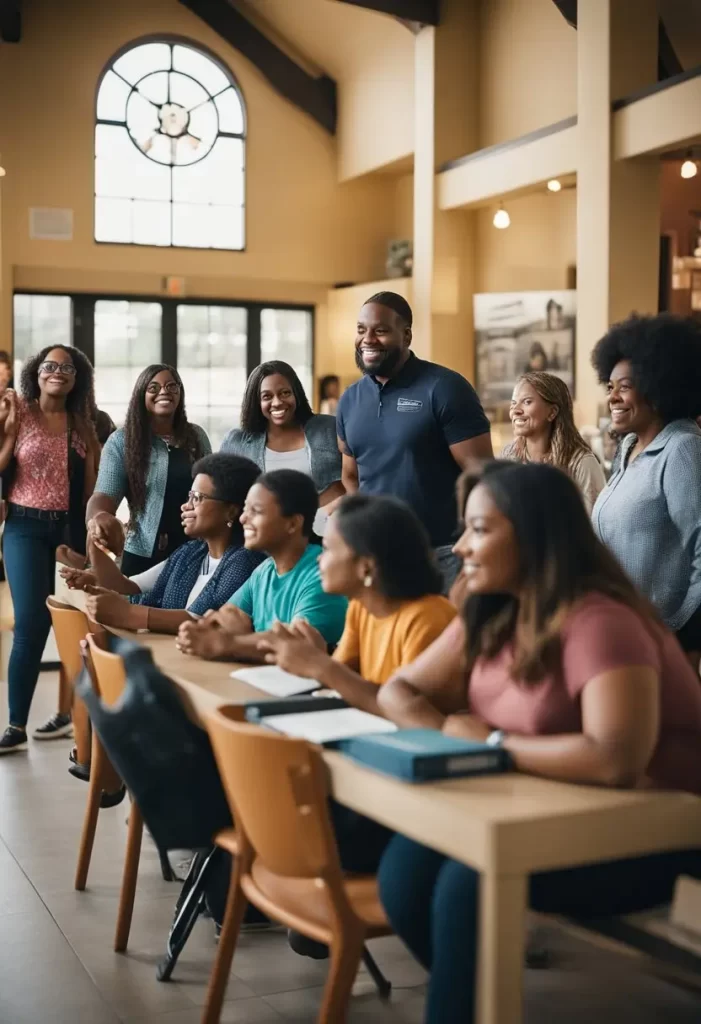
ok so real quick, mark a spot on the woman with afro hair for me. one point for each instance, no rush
(649, 515)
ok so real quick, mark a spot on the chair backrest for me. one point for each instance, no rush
(110, 673)
(277, 790)
(70, 627)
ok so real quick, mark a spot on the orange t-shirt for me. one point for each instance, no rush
(376, 648)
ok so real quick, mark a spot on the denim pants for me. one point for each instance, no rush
(29, 551)
(432, 904)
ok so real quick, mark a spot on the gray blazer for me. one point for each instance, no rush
(322, 442)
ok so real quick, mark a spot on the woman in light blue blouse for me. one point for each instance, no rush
(149, 462)
(649, 514)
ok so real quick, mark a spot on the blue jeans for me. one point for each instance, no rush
(432, 904)
(29, 552)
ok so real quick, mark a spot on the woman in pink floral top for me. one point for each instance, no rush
(49, 449)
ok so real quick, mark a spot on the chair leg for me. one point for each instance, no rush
(236, 904)
(81, 731)
(346, 951)
(166, 869)
(383, 985)
(131, 870)
(92, 810)
(65, 693)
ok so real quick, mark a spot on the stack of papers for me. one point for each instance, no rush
(271, 679)
(329, 726)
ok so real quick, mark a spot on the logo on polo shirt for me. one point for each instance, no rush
(409, 405)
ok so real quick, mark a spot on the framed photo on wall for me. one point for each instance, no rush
(520, 331)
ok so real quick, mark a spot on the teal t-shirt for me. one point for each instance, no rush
(267, 597)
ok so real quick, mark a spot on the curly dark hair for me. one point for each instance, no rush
(389, 532)
(252, 419)
(138, 434)
(80, 402)
(232, 475)
(664, 352)
(295, 493)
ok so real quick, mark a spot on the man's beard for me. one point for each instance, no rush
(383, 367)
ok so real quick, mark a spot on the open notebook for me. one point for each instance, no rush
(329, 726)
(271, 679)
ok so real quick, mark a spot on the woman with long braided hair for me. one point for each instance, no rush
(149, 462)
(542, 416)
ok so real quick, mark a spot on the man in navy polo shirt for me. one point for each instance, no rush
(409, 427)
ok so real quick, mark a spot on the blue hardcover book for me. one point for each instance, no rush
(421, 755)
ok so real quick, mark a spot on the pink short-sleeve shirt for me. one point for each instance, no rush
(41, 475)
(600, 635)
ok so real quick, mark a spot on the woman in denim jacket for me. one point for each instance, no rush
(149, 462)
(280, 431)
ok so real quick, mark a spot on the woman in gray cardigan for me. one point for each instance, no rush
(280, 431)
(649, 514)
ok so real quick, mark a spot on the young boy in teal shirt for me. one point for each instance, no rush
(277, 518)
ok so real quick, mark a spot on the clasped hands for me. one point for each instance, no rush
(297, 648)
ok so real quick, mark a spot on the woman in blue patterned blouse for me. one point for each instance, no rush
(200, 576)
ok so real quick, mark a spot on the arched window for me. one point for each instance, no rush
(169, 150)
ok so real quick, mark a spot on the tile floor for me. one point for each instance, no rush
(57, 964)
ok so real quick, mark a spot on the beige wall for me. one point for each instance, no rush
(342, 310)
(305, 231)
(371, 56)
(535, 252)
(404, 206)
(528, 68)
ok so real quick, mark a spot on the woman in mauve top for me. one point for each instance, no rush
(558, 659)
(49, 449)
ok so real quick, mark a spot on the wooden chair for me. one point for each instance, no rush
(71, 626)
(109, 678)
(287, 864)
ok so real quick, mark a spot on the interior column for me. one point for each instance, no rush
(445, 128)
(618, 207)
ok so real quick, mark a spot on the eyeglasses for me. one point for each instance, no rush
(197, 497)
(63, 369)
(171, 388)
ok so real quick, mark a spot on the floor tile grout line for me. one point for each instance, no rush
(60, 929)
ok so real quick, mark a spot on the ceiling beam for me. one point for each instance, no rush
(667, 60)
(10, 21)
(424, 12)
(315, 96)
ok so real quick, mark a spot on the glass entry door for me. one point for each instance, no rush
(127, 339)
(212, 361)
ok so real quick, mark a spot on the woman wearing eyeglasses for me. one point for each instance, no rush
(49, 454)
(148, 462)
(200, 576)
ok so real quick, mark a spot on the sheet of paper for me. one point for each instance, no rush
(327, 726)
(271, 679)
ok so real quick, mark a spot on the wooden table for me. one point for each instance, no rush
(505, 826)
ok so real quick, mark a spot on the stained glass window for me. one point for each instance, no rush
(169, 150)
